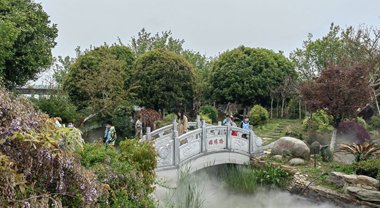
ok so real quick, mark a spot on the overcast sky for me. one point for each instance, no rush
(207, 26)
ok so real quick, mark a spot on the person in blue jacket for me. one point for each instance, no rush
(245, 125)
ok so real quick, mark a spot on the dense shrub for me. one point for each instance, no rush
(57, 105)
(352, 132)
(206, 118)
(129, 171)
(258, 115)
(361, 121)
(121, 120)
(148, 117)
(375, 120)
(210, 112)
(370, 167)
(168, 119)
(320, 122)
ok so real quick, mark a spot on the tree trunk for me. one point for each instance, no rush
(185, 108)
(277, 109)
(282, 108)
(92, 115)
(377, 104)
(300, 110)
(163, 113)
(333, 140)
(271, 109)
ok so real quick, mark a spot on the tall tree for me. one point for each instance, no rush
(97, 80)
(26, 39)
(339, 92)
(243, 74)
(165, 79)
(144, 42)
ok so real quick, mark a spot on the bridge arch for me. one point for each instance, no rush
(207, 145)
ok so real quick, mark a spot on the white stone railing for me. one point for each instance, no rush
(204, 139)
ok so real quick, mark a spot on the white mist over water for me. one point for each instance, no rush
(216, 195)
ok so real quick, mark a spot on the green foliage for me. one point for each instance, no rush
(321, 122)
(247, 179)
(313, 57)
(165, 79)
(122, 114)
(128, 172)
(243, 75)
(258, 115)
(57, 105)
(370, 167)
(145, 42)
(205, 117)
(375, 120)
(361, 121)
(26, 39)
(61, 69)
(210, 112)
(168, 119)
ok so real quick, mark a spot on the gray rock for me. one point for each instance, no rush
(363, 180)
(316, 144)
(337, 178)
(363, 194)
(291, 145)
(278, 157)
(369, 188)
(296, 161)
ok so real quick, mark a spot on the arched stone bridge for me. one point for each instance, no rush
(206, 145)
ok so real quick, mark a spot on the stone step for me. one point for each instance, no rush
(275, 134)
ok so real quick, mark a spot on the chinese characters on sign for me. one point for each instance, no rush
(216, 142)
(285, 145)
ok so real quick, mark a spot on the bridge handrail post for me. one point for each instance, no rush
(176, 148)
(199, 123)
(250, 142)
(174, 125)
(148, 134)
(204, 137)
(228, 137)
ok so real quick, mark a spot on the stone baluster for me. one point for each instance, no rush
(176, 149)
(199, 123)
(228, 137)
(148, 134)
(220, 131)
(250, 142)
(174, 124)
(204, 137)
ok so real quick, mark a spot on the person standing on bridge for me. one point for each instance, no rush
(182, 123)
(245, 125)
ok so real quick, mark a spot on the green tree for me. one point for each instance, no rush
(61, 68)
(243, 74)
(26, 39)
(145, 42)
(165, 79)
(97, 80)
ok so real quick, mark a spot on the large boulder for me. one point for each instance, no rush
(362, 180)
(364, 194)
(291, 145)
(337, 178)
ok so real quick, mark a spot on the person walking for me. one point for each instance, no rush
(109, 134)
(245, 125)
(138, 127)
(182, 123)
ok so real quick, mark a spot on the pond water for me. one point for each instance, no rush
(211, 192)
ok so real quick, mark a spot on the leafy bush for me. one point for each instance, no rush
(352, 132)
(57, 105)
(121, 120)
(168, 119)
(375, 120)
(322, 138)
(370, 167)
(320, 122)
(362, 122)
(210, 112)
(258, 115)
(206, 118)
(148, 117)
(247, 179)
(129, 171)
